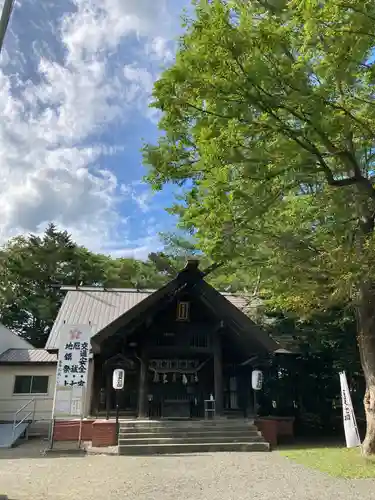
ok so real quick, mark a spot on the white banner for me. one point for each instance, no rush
(72, 371)
(350, 425)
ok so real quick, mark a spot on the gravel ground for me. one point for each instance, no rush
(25, 474)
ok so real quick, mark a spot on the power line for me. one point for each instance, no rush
(4, 21)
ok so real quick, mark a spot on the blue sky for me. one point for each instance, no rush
(75, 83)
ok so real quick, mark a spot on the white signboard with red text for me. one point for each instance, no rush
(72, 371)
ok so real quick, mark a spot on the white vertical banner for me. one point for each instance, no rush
(350, 425)
(72, 371)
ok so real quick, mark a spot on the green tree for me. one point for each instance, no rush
(269, 124)
(326, 344)
(226, 277)
(132, 273)
(32, 269)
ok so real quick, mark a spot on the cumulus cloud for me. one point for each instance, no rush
(63, 82)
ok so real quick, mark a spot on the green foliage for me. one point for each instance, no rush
(306, 384)
(271, 132)
(33, 268)
(331, 334)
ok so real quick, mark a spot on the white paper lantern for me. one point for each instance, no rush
(257, 380)
(118, 379)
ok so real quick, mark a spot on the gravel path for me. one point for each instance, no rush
(219, 476)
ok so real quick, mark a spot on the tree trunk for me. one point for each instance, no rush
(366, 344)
(368, 445)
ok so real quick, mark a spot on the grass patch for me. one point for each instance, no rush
(334, 460)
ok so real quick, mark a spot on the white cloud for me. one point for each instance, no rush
(141, 251)
(140, 248)
(141, 81)
(56, 100)
(161, 50)
(138, 193)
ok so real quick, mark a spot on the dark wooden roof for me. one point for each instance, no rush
(151, 303)
(246, 330)
(190, 279)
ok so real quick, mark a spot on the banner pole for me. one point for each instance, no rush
(83, 405)
(52, 430)
(80, 432)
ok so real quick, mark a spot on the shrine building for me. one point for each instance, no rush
(180, 346)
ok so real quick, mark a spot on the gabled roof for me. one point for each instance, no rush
(235, 318)
(95, 305)
(102, 307)
(20, 356)
(109, 310)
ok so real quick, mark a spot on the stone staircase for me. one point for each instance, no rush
(149, 437)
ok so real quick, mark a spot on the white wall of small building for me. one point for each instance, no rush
(10, 403)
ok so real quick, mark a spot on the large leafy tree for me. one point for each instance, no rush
(269, 122)
(32, 269)
(327, 344)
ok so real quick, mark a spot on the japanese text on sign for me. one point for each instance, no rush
(72, 370)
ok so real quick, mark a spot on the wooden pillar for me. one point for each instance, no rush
(95, 398)
(142, 388)
(108, 390)
(218, 373)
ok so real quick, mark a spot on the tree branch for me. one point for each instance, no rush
(364, 183)
(217, 115)
(348, 113)
(355, 9)
(303, 118)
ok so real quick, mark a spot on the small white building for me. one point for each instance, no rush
(26, 374)
(27, 383)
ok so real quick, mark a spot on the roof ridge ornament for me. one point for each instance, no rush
(192, 264)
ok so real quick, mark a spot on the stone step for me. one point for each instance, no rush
(187, 425)
(185, 421)
(209, 422)
(187, 433)
(204, 438)
(176, 430)
(173, 448)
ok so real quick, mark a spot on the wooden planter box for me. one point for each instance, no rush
(276, 429)
(104, 433)
(68, 430)
(99, 432)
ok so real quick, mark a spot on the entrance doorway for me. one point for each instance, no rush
(231, 393)
(128, 396)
